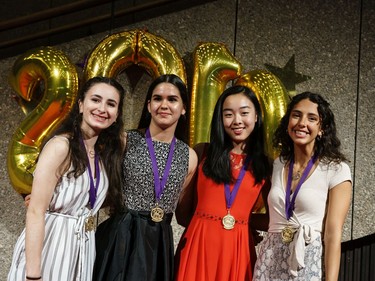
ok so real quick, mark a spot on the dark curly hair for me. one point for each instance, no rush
(327, 146)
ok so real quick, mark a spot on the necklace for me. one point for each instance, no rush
(297, 175)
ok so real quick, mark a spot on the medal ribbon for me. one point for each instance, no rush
(289, 204)
(159, 184)
(93, 188)
(230, 196)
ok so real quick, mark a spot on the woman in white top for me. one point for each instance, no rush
(309, 198)
(75, 170)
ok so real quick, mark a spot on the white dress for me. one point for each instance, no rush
(302, 258)
(68, 250)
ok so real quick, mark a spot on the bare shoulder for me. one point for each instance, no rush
(58, 147)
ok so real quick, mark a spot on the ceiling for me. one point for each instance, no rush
(28, 24)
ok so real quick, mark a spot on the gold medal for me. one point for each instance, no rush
(287, 234)
(89, 223)
(228, 221)
(157, 214)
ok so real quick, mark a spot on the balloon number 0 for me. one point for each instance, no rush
(214, 67)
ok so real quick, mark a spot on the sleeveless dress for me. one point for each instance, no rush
(131, 246)
(207, 251)
(301, 259)
(68, 250)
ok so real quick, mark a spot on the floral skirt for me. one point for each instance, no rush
(272, 265)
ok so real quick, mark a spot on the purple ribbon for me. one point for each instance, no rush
(159, 184)
(289, 204)
(93, 188)
(230, 196)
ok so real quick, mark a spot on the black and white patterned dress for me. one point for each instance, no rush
(131, 246)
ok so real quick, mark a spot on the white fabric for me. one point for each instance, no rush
(68, 250)
(310, 206)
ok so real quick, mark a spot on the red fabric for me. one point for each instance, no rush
(207, 251)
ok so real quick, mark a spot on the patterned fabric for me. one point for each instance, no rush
(139, 178)
(68, 250)
(273, 257)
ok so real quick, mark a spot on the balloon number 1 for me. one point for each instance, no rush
(214, 67)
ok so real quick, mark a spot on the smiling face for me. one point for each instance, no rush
(304, 123)
(239, 118)
(165, 106)
(99, 107)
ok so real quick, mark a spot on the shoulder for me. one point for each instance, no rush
(57, 145)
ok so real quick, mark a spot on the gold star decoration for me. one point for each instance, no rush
(288, 75)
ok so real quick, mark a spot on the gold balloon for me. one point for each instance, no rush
(214, 66)
(52, 70)
(117, 51)
(112, 55)
(158, 56)
(273, 98)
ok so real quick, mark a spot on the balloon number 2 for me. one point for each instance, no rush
(214, 67)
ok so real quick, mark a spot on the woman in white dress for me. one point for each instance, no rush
(309, 198)
(77, 169)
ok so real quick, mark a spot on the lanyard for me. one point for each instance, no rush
(289, 204)
(230, 196)
(159, 184)
(93, 188)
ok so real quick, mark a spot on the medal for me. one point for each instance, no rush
(287, 234)
(228, 221)
(89, 223)
(157, 214)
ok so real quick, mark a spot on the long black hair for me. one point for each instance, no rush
(327, 146)
(182, 126)
(110, 143)
(217, 164)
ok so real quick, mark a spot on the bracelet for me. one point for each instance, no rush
(34, 278)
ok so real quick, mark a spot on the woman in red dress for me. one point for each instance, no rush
(217, 243)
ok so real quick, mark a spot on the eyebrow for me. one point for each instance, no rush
(309, 113)
(100, 97)
(242, 107)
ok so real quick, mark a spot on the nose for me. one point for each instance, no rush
(164, 103)
(237, 119)
(101, 107)
(302, 121)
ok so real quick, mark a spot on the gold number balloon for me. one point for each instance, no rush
(116, 52)
(113, 54)
(214, 66)
(52, 69)
(273, 98)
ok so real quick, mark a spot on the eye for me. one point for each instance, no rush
(227, 115)
(112, 104)
(245, 113)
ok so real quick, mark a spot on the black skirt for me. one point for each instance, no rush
(131, 247)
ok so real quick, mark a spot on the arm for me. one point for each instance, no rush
(45, 179)
(187, 201)
(339, 198)
(260, 216)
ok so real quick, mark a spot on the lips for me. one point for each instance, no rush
(300, 133)
(238, 131)
(99, 118)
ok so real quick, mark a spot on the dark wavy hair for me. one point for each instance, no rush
(217, 163)
(110, 143)
(327, 147)
(182, 125)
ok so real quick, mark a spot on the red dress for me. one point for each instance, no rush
(207, 251)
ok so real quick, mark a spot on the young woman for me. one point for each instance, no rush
(218, 244)
(309, 198)
(71, 179)
(138, 245)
